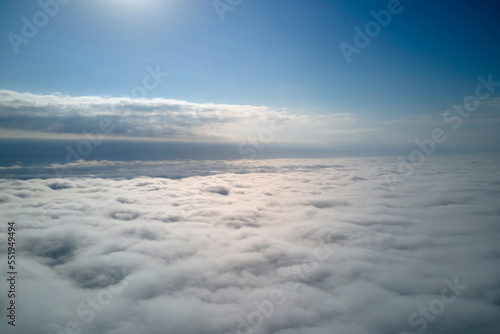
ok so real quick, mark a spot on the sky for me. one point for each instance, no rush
(250, 167)
(272, 53)
(283, 57)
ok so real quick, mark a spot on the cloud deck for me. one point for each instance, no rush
(275, 246)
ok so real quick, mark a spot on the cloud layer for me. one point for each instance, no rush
(276, 246)
(27, 115)
(157, 118)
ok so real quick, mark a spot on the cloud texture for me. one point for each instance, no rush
(56, 116)
(277, 246)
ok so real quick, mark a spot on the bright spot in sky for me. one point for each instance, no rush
(138, 7)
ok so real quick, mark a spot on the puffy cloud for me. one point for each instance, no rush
(266, 246)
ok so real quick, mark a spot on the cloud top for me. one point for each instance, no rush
(275, 246)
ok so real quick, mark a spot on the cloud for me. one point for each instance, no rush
(56, 116)
(157, 118)
(269, 246)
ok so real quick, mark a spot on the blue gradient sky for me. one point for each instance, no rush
(272, 53)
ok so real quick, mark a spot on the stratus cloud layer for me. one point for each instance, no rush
(199, 254)
(162, 118)
(26, 115)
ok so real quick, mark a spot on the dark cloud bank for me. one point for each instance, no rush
(276, 246)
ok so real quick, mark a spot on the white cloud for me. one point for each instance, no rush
(56, 116)
(157, 118)
(197, 253)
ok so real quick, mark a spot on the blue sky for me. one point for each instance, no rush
(273, 53)
(266, 60)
